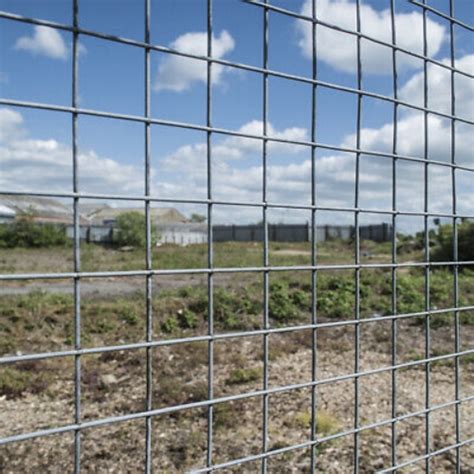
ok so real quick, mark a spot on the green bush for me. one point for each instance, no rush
(26, 233)
(281, 305)
(443, 251)
(130, 230)
(239, 376)
(169, 325)
(336, 296)
(187, 319)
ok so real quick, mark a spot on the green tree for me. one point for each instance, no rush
(198, 218)
(130, 230)
(25, 232)
(443, 251)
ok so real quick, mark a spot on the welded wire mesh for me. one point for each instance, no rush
(426, 450)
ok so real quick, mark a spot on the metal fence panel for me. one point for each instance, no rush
(265, 233)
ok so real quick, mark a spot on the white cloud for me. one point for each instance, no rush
(44, 41)
(237, 170)
(30, 164)
(10, 124)
(255, 127)
(439, 88)
(339, 49)
(237, 167)
(177, 73)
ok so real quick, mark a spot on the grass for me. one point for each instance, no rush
(26, 377)
(29, 321)
(170, 256)
(326, 423)
(43, 320)
(242, 376)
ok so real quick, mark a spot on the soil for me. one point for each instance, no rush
(114, 384)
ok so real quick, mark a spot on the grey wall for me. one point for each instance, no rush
(299, 232)
(194, 233)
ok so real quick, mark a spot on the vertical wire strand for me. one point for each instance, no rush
(266, 323)
(357, 246)
(314, 316)
(148, 257)
(457, 348)
(426, 245)
(77, 241)
(210, 237)
(394, 237)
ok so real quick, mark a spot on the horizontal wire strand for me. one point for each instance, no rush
(74, 276)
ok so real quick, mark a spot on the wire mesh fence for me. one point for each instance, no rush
(427, 449)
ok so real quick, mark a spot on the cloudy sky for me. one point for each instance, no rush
(35, 146)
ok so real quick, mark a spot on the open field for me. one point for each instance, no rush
(170, 256)
(39, 316)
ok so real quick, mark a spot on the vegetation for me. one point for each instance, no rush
(198, 218)
(131, 230)
(443, 250)
(326, 424)
(114, 313)
(440, 242)
(44, 320)
(24, 377)
(26, 233)
(242, 375)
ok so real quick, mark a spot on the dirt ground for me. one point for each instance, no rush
(39, 315)
(114, 384)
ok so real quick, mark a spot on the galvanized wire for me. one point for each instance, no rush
(266, 276)
(426, 250)
(266, 269)
(457, 344)
(394, 237)
(76, 244)
(357, 247)
(210, 241)
(148, 244)
(314, 273)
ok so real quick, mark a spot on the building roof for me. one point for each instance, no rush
(45, 209)
(88, 209)
(158, 215)
(41, 209)
(6, 211)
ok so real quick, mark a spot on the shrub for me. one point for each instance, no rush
(128, 314)
(187, 319)
(169, 325)
(224, 416)
(25, 377)
(281, 305)
(239, 376)
(336, 296)
(326, 424)
(26, 233)
(230, 308)
(198, 218)
(443, 251)
(131, 230)
(13, 383)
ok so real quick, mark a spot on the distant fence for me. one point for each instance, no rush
(177, 233)
(299, 232)
(93, 233)
(196, 233)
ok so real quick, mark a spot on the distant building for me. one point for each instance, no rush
(38, 209)
(182, 233)
(106, 215)
(7, 214)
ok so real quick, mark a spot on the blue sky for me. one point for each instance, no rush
(35, 65)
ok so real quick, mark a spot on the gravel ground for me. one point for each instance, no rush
(179, 440)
